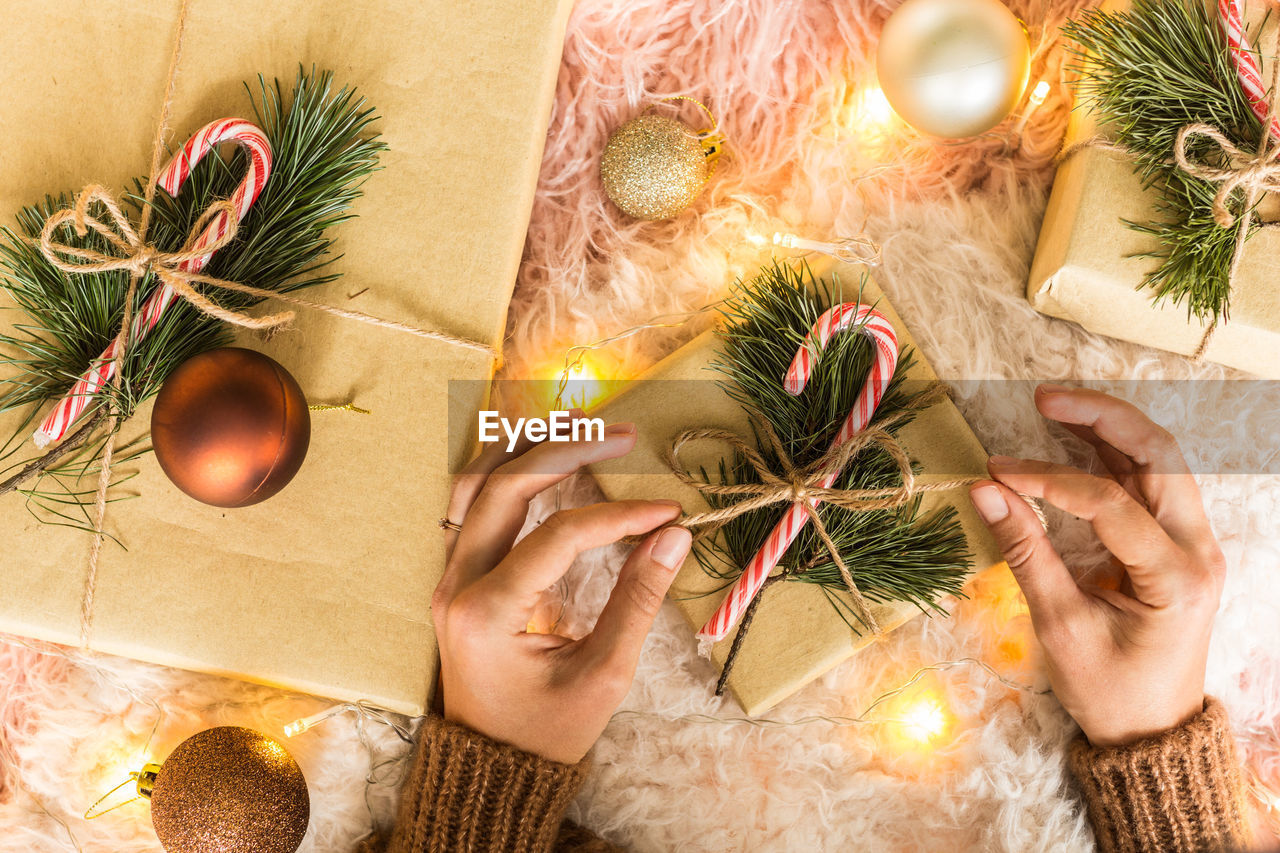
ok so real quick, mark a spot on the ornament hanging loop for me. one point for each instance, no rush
(714, 130)
(143, 779)
(711, 138)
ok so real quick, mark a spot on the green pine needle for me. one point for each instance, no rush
(900, 554)
(323, 146)
(1151, 71)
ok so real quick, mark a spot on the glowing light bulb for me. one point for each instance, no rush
(924, 720)
(1034, 100)
(873, 107)
(581, 384)
(850, 250)
(1039, 93)
(297, 727)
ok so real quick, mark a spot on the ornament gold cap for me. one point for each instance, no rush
(712, 145)
(146, 779)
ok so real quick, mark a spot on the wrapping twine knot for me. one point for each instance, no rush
(139, 257)
(801, 485)
(1255, 174)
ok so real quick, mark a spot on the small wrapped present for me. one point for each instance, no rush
(1144, 250)
(799, 630)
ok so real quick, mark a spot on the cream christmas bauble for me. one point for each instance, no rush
(953, 68)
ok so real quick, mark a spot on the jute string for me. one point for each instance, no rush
(1256, 174)
(138, 258)
(802, 485)
(122, 337)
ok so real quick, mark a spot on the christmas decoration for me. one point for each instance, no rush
(1185, 175)
(817, 448)
(230, 427)
(785, 532)
(217, 230)
(953, 68)
(891, 538)
(317, 150)
(227, 790)
(653, 167)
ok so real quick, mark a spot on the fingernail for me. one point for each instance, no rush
(1002, 461)
(989, 503)
(1051, 388)
(671, 547)
(620, 429)
(668, 502)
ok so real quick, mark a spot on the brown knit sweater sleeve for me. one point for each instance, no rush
(466, 792)
(1176, 792)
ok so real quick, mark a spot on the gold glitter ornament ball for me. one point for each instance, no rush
(953, 68)
(230, 790)
(653, 167)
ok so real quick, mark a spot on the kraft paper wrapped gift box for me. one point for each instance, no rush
(796, 635)
(326, 587)
(1088, 265)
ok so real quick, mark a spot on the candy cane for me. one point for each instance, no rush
(1231, 12)
(254, 141)
(838, 318)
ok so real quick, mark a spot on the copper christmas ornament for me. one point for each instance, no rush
(230, 427)
(953, 68)
(653, 167)
(228, 790)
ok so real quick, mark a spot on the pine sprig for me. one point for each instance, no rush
(323, 146)
(899, 554)
(1151, 71)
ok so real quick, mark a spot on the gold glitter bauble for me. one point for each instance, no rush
(653, 167)
(230, 790)
(953, 68)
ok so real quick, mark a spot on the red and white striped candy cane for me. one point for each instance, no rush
(838, 318)
(1247, 68)
(72, 406)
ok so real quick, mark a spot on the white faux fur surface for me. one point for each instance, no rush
(958, 224)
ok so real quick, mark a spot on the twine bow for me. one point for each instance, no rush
(1256, 174)
(794, 484)
(139, 257)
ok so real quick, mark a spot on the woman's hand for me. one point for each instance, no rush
(1126, 662)
(544, 693)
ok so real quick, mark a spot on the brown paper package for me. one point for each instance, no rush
(1087, 265)
(796, 635)
(324, 588)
